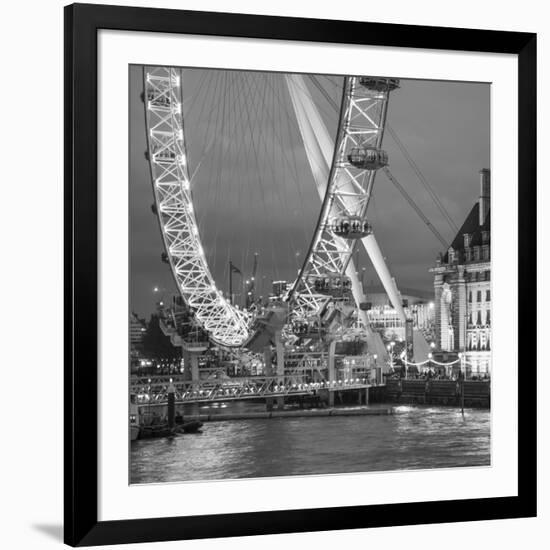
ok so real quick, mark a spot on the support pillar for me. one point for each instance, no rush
(192, 374)
(268, 371)
(388, 282)
(195, 376)
(171, 408)
(331, 372)
(280, 367)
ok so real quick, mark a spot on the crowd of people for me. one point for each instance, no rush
(435, 374)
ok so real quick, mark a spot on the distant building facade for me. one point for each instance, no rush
(137, 333)
(418, 306)
(462, 288)
(279, 289)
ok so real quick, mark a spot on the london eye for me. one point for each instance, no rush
(343, 169)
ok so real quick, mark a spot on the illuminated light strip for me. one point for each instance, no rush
(362, 121)
(225, 324)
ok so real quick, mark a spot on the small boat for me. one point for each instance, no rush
(163, 430)
(156, 430)
(193, 426)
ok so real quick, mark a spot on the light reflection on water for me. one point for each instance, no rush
(411, 438)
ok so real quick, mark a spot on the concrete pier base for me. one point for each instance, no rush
(280, 367)
(268, 372)
(280, 371)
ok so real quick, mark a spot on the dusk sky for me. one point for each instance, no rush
(253, 190)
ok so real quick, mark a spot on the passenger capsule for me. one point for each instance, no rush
(158, 99)
(379, 84)
(161, 153)
(350, 227)
(332, 284)
(368, 158)
(307, 328)
(164, 258)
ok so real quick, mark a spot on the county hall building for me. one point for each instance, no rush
(462, 287)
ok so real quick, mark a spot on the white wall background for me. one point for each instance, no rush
(31, 276)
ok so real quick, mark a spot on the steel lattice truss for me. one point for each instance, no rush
(362, 120)
(155, 390)
(349, 189)
(171, 182)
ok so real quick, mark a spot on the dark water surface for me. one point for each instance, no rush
(411, 438)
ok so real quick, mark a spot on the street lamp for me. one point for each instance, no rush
(430, 355)
(160, 295)
(462, 369)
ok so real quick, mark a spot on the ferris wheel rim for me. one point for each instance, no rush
(241, 331)
(328, 198)
(352, 95)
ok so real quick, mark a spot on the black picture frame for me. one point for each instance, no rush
(81, 26)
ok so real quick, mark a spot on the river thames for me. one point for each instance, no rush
(414, 437)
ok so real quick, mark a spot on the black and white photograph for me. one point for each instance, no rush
(310, 274)
(277, 277)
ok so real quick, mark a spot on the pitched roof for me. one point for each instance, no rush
(472, 227)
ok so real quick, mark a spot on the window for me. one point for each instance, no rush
(468, 253)
(467, 240)
(488, 317)
(470, 297)
(482, 340)
(488, 296)
(479, 295)
(451, 255)
(476, 253)
(485, 236)
(479, 317)
(485, 252)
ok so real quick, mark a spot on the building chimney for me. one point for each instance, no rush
(484, 194)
